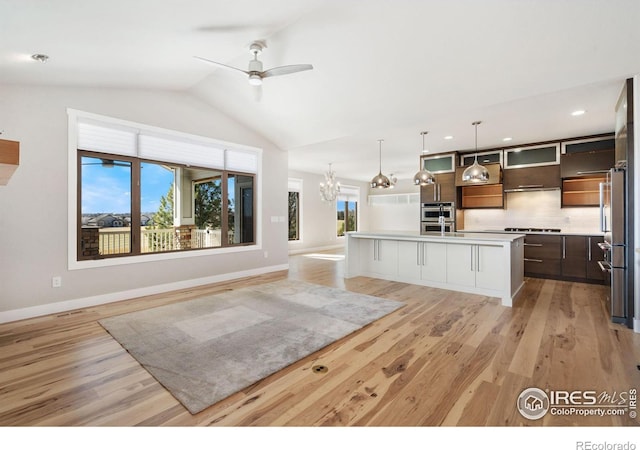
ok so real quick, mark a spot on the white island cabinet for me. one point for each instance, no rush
(480, 263)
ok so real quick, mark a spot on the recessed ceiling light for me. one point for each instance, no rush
(40, 57)
(448, 138)
(578, 112)
(507, 139)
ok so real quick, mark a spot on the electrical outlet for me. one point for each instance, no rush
(56, 282)
(266, 254)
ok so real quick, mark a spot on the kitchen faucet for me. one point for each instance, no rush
(441, 220)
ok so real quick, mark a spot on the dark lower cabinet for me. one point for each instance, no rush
(542, 256)
(563, 257)
(574, 257)
(595, 254)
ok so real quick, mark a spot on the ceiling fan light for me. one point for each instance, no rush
(255, 80)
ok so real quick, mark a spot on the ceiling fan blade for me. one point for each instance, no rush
(284, 70)
(224, 66)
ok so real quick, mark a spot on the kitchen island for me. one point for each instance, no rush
(480, 263)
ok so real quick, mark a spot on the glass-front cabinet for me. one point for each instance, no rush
(443, 163)
(538, 155)
(494, 156)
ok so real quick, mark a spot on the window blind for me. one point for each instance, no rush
(106, 139)
(160, 148)
(295, 185)
(349, 193)
(119, 139)
(241, 161)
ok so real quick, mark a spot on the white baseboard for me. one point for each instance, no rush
(314, 249)
(68, 305)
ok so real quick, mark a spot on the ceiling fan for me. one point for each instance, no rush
(255, 72)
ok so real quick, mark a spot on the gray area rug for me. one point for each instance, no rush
(206, 349)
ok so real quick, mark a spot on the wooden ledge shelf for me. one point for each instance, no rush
(583, 191)
(9, 159)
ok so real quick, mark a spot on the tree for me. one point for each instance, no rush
(163, 218)
(293, 215)
(208, 204)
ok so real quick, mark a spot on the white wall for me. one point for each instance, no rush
(33, 206)
(318, 218)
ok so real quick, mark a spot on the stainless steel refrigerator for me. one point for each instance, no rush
(613, 215)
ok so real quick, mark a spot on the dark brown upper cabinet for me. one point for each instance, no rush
(532, 178)
(444, 189)
(587, 157)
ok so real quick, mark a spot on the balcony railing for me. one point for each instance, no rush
(115, 241)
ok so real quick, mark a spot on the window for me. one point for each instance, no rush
(347, 210)
(295, 191)
(144, 193)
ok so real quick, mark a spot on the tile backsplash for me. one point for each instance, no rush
(538, 209)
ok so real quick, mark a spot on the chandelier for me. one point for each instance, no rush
(330, 188)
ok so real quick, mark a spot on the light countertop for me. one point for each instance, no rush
(436, 236)
(551, 233)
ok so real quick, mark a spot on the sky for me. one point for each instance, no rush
(107, 189)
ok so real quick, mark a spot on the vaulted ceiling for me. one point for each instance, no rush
(383, 69)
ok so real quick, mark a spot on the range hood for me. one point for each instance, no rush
(532, 188)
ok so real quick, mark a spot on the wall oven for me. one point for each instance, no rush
(430, 214)
(434, 227)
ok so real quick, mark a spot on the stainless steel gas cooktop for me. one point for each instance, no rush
(534, 230)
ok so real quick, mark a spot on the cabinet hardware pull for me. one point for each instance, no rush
(471, 248)
(603, 223)
(589, 248)
(424, 253)
(533, 260)
(587, 172)
(418, 249)
(564, 247)
(530, 185)
(532, 245)
(603, 268)
(477, 258)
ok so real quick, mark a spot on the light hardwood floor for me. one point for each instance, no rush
(445, 358)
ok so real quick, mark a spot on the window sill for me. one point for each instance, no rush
(124, 260)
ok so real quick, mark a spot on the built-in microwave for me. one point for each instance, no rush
(431, 212)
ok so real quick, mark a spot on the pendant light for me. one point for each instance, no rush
(475, 173)
(380, 181)
(423, 177)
